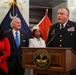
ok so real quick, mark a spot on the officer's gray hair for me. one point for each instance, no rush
(66, 9)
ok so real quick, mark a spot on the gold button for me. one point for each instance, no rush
(60, 45)
(71, 34)
(60, 40)
(60, 35)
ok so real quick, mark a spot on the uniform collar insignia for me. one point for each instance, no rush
(53, 32)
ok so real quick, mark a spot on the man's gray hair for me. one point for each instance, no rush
(12, 21)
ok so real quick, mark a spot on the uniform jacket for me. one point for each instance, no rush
(16, 53)
(66, 38)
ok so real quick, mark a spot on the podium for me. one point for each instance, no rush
(62, 60)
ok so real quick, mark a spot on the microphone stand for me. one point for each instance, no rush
(52, 38)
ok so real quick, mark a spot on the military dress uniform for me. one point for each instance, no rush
(63, 38)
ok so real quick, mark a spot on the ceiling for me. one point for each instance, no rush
(45, 3)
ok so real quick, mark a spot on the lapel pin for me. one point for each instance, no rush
(22, 34)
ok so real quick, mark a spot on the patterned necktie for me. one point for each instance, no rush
(17, 39)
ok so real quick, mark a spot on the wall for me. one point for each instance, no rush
(71, 4)
(3, 10)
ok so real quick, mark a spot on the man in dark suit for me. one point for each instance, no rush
(15, 59)
(63, 33)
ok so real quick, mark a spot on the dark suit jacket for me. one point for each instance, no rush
(16, 53)
(66, 38)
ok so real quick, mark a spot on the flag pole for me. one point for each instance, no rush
(46, 11)
(13, 9)
(14, 1)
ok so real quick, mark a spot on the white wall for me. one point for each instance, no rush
(71, 4)
(3, 9)
(23, 5)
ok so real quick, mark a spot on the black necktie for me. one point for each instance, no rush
(61, 30)
(62, 26)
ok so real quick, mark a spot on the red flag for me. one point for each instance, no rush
(44, 26)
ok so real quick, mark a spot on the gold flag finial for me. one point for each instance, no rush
(10, 2)
(46, 11)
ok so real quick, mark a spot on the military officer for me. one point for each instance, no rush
(63, 33)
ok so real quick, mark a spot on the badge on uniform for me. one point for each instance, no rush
(53, 32)
(71, 28)
(24, 40)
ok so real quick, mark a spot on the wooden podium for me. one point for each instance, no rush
(62, 60)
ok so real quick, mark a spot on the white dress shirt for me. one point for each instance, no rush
(34, 42)
(63, 25)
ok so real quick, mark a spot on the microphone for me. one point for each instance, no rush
(52, 38)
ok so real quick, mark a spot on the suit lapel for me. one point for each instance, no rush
(12, 39)
(21, 37)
